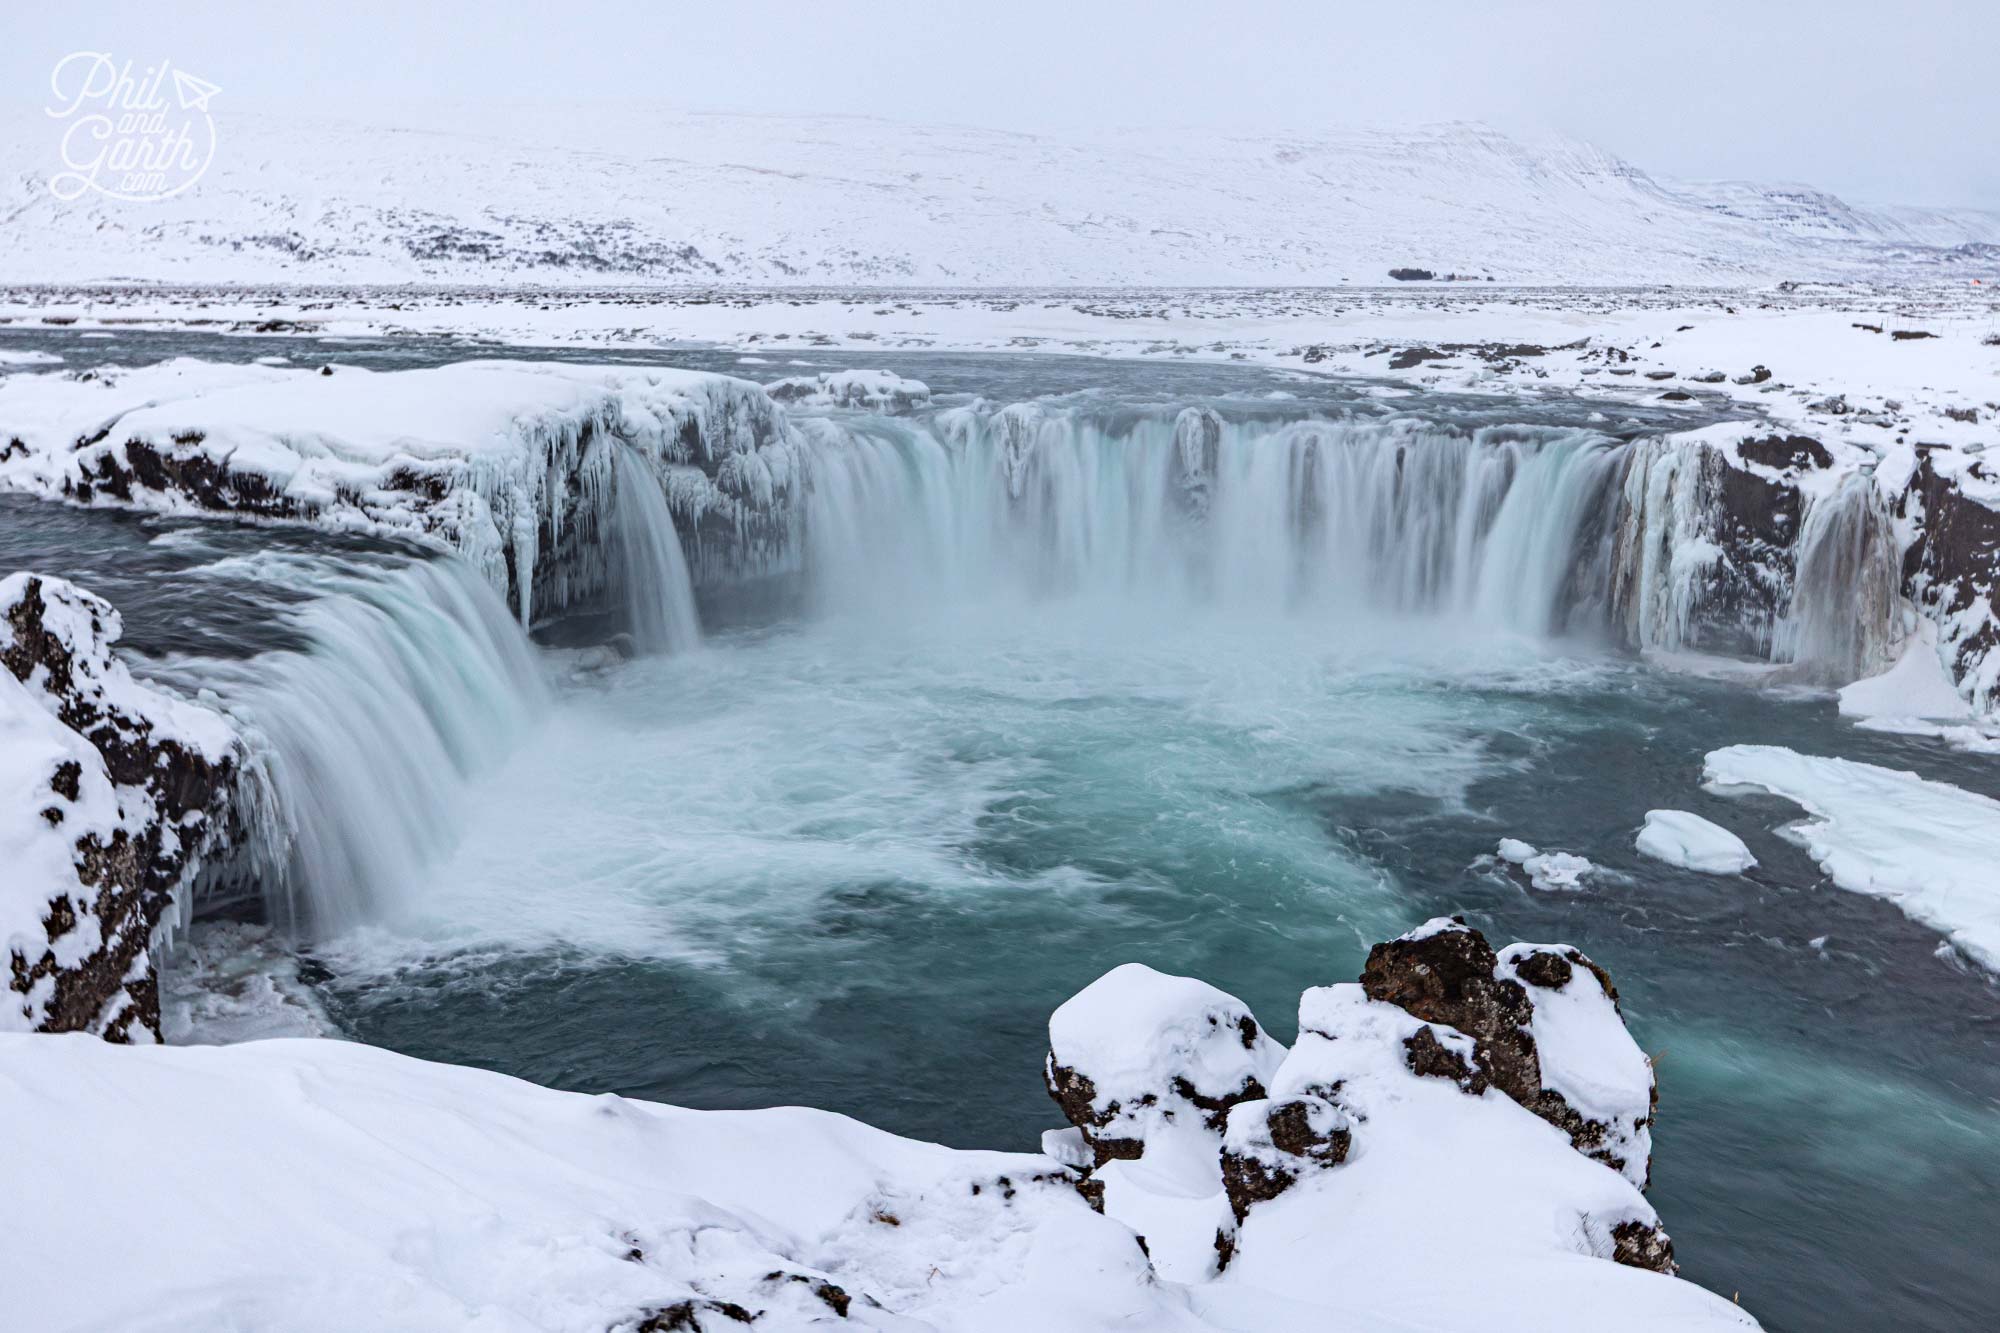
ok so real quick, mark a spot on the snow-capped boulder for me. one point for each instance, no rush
(872, 390)
(1147, 1067)
(109, 793)
(1431, 1177)
(1446, 1066)
(1139, 1059)
(1597, 1086)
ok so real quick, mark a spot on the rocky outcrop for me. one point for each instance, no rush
(114, 791)
(1127, 1086)
(1449, 976)
(865, 390)
(1765, 546)
(1435, 1079)
(1952, 569)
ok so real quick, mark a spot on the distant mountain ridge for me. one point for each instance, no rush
(575, 197)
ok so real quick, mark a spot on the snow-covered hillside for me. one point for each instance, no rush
(647, 195)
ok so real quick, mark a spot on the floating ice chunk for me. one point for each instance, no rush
(1693, 843)
(1552, 872)
(1928, 847)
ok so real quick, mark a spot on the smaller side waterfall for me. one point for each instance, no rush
(1841, 622)
(649, 570)
(415, 681)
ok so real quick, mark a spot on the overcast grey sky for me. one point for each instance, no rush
(1880, 100)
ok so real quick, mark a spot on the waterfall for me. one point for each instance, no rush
(648, 566)
(1667, 546)
(1842, 619)
(1324, 516)
(414, 680)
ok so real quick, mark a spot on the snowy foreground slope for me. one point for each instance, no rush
(563, 196)
(1386, 1173)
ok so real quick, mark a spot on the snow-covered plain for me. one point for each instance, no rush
(561, 195)
(1929, 848)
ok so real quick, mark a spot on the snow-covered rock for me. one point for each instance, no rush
(1597, 1087)
(1147, 1066)
(1928, 847)
(110, 790)
(873, 390)
(1681, 838)
(511, 464)
(1436, 1180)
(1457, 1108)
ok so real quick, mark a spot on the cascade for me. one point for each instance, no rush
(414, 680)
(1333, 516)
(649, 570)
(1842, 619)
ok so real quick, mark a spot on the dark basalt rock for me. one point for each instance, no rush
(1448, 977)
(1077, 1096)
(1428, 1057)
(1253, 1178)
(1785, 452)
(1640, 1245)
(1954, 563)
(1411, 357)
(687, 1317)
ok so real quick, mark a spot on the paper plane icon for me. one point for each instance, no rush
(194, 93)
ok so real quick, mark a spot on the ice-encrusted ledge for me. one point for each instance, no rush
(1456, 1142)
(110, 792)
(511, 464)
